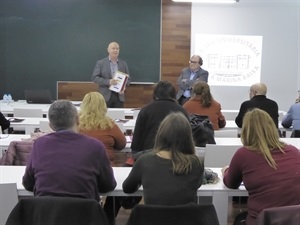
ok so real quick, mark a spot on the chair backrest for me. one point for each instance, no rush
(200, 152)
(116, 114)
(9, 198)
(226, 133)
(44, 126)
(230, 115)
(285, 215)
(20, 112)
(280, 115)
(57, 210)
(219, 155)
(295, 134)
(189, 214)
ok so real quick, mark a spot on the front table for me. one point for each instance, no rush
(219, 193)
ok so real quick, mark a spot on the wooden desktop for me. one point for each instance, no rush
(137, 95)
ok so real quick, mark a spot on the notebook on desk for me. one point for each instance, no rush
(38, 96)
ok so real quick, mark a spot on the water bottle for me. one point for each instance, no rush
(9, 98)
(5, 98)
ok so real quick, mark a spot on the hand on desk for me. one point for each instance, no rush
(224, 169)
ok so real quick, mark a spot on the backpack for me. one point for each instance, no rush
(203, 131)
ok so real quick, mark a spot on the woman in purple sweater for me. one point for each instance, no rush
(268, 167)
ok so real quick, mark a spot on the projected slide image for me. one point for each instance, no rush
(232, 60)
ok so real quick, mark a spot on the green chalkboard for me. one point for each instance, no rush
(45, 41)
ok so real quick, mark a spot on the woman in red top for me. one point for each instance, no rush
(202, 103)
(94, 122)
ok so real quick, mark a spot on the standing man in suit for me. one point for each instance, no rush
(188, 77)
(103, 75)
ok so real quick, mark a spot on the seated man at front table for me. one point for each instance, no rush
(258, 99)
(66, 163)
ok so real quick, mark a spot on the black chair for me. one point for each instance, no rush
(285, 215)
(295, 134)
(50, 210)
(190, 214)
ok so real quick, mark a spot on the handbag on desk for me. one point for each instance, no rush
(203, 131)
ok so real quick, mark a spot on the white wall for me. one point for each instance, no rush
(278, 21)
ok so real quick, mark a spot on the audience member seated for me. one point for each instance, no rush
(66, 163)
(292, 118)
(258, 99)
(4, 123)
(202, 103)
(94, 122)
(171, 174)
(268, 167)
(150, 116)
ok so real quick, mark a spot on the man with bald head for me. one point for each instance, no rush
(104, 72)
(188, 77)
(258, 99)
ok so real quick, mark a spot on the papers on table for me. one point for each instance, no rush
(15, 120)
(121, 78)
(121, 120)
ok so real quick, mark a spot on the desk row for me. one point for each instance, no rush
(30, 124)
(222, 144)
(218, 192)
(23, 109)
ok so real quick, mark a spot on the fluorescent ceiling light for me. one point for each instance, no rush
(208, 1)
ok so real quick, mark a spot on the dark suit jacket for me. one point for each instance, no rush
(102, 75)
(261, 102)
(201, 74)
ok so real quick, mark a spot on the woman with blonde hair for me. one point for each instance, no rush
(202, 103)
(171, 174)
(94, 122)
(268, 167)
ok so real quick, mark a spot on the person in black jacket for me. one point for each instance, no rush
(259, 100)
(4, 123)
(147, 123)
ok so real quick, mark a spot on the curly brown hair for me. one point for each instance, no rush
(202, 89)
